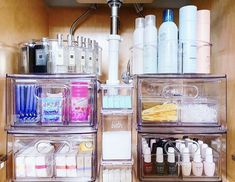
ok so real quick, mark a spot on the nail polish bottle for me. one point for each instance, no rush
(148, 166)
(171, 164)
(197, 165)
(186, 164)
(160, 166)
(209, 165)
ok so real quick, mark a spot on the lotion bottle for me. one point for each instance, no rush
(168, 44)
(138, 47)
(150, 45)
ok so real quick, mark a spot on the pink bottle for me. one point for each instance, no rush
(203, 41)
(79, 109)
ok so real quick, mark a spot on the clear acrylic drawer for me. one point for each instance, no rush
(113, 172)
(51, 100)
(181, 100)
(117, 97)
(71, 157)
(181, 157)
(116, 136)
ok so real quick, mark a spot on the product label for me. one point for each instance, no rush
(60, 57)
(40, 57)
(72, 58)
(79, 110)
(116, 125)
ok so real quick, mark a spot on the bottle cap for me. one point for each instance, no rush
(171, 155)
(203, 16)
(178, 143)
(150, 20)
(186, 155)
(168, 15)
(159, 155)
(152, 141)
(139, 23)
(200, 142)
(60, 38)
(70, 39)
(188, 13)
(209, 155)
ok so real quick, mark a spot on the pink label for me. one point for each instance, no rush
(79, 110)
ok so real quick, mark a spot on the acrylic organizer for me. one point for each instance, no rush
(54, 158)
(116, 137)
(61, 55)
(117, 97)
(189, 157)
(120, 173)
(181, 100)
(51, 100)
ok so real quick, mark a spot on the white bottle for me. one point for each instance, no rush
(150, 45)
(209, 165)
(168, 44)
(187, 39)
(186, 164)
(197, 165)
(138, 47)
(203, 150)
(203, 41)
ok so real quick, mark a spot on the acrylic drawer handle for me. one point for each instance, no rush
(53, 86)
(49, 142)
(171, 91)
(171, 143)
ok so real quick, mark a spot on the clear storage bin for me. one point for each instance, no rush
(181, 157)
(121, 173)
(181, 100)
(54, 158)
(116, 136)
(117, 97)
(51, 100)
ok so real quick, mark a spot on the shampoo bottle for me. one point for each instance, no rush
(150, 45)
(168, 44)
(138, 46)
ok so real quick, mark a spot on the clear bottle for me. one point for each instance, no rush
(150, 45)
(60, 62)
(89, 57)
(168, 44)
(82, 55)
(70, 54)
(78, 52)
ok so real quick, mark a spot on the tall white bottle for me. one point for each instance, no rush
(150, 45)
(203, 41)
(187, 39)
(168, 44)
(138, 47)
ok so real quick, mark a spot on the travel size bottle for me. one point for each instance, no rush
(160, 166)
(197, 165)
(70, 54)
(148, 165)
(90, 63)
(209, 165)
(186, 164)
(60, 62)
(172, 168)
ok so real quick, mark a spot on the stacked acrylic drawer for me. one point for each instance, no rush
(181, 127)
(52, 127)
(116, 116)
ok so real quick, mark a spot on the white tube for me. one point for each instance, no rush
(114, 41)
